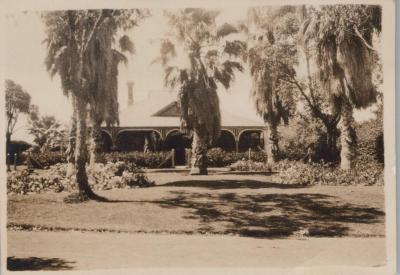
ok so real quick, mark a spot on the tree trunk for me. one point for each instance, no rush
(199, 154)
(72, 141)
(95, 142)
(347, 138)
(81, 151)
(332, 136)
(271, 142)
(8, 150)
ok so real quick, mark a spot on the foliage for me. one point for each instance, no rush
(25, 181)
(79, 51)
(217, 157)
(250, 165)
(342, 38)
(208, 59)
(370, 141)
(104, 176)
(141, 159)
(47, 158)
(271, 55)
(296, 172)
(305, 138)
(17, 102)
(47, 131)
(316, 173)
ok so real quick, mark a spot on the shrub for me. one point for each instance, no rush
(297, 172)
(370, 141)
(24, 181)
(303, 134)
(217, 157)
(47, 158)
(148, 160)
(103, 176)
(250, 165)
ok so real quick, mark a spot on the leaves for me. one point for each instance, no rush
(80, 49)
(17, 101)
(126, 44)
(225, 30)
(343, 51)
(196, 35)
(235, 48)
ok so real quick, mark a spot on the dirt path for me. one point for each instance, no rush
(74, 250)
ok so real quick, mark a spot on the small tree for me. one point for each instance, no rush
(17, 102)
(48, 133)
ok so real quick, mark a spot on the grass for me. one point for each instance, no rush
(245, 205)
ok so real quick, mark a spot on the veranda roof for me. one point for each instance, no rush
(160, 110)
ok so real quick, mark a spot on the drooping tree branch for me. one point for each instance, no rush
(366, 44)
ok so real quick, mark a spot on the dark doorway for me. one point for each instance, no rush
(106, 142)
(179, 142)
(250, 139)
(226, 141)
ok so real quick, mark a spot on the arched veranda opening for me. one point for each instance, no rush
(179, 142)
(226, 141)
(250, 139)
(129, 140)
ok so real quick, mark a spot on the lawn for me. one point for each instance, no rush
(244, 205)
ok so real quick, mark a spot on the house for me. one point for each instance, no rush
(154, 124)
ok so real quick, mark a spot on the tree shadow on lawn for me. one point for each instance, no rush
(35, 263)
(272, 215)
(230, 184)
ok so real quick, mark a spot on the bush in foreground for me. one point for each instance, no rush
(218, 157)
(297, 172)
(140, 159)
(103, 177)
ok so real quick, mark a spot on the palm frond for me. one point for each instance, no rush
(126, 44)
(225, 74)
(225, 30)
(235, 48)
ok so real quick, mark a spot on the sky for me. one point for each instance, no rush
(24, 64)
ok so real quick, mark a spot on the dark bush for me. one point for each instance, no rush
(370, 142)
(217, 157)
(297, 172)
(46, 159)
(17, 147)
(141, 159)
(305, 138)
(101, 177)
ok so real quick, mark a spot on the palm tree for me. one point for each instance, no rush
(207, 58)
(106, 58)
(69, 41)
(270, 58)
(342, 38)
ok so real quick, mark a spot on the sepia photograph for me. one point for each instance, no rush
(257, 135)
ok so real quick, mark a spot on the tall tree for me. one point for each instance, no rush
(106, 55)
(207, 58)
(70, 35)
(342, 37)
(271, 51)
(17, 102)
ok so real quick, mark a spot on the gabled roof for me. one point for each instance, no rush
(161, 110)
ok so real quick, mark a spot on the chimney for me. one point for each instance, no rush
(130, 92)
